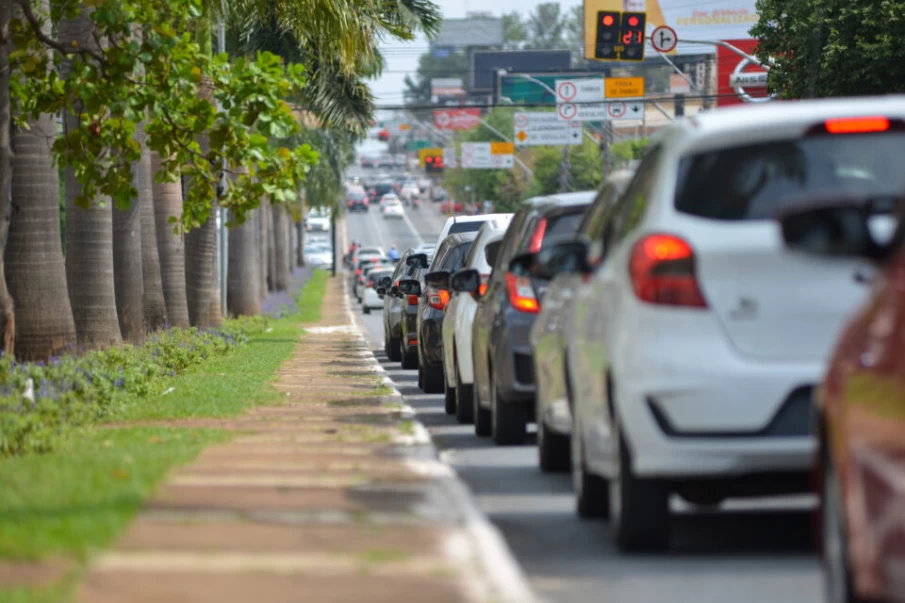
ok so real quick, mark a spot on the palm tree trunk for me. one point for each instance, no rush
(155, 307)
(89, 231)
(260, 220)
(300, 243)
(216, 312)
(280, 248)
(244, 276)
(199, 258)
(7, 309)
(170, 246)
(127, 260)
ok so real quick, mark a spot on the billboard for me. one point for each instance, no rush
(712, 20)
(457, 119)
(486, 65)
(726, 64)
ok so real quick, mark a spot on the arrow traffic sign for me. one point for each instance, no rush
(664, 39)
(540, 128)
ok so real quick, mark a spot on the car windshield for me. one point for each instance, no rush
(356, 195)
(469, 226)
(754, 182)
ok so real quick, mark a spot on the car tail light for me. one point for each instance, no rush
(350, 203)
(482, 288)
(437, 298)
(521, 294)
(857, 125)
(358, 272)
(412, 300)
(662, 272)
(370, 284)
(537, 238)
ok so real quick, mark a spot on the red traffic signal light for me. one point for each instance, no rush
(633, 21)
(633, 36)
(607, 20)
(607, 35)
(428, 159)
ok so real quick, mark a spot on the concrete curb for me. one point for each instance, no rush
(502, 573)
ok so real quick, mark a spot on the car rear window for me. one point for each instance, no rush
(754, 182)
(455, 259)
(356, 195)
(469, 226)
(563, 224)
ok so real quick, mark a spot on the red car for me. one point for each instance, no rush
(859, 416)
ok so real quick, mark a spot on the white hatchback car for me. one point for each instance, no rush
(457, 322)
(457, 224)
(392, 208)
(697, 337)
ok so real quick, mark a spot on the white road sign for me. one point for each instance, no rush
(502, 161)
(585, 90)
(476, 155)
(664, 39)
(450, 158)
(542, 128)
(610, 110)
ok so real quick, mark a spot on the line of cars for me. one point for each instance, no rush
(677, 336)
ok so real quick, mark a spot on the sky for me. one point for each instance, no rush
(402, 57)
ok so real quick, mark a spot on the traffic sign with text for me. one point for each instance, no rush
(476, 155)
(450, 157)
(586, 90)
(606, 111)
(543, 128)
(624, 87)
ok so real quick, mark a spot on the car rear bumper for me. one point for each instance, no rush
(514, 366)
(431, 336)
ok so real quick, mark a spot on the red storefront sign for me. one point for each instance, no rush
(457, 119)
(726, 64)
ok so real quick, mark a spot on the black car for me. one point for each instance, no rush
(502, 354)
(395, 306)
(434, 295)
(357, 200)
(409, 291)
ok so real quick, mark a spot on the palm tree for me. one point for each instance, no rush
(216, 312)
(280, 248)
(89, 231)
(170, 246)
(155, 307)
(244, 278)
(35, 269)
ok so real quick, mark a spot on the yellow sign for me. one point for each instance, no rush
(521, 136)
(422, 153)
(502, 148)
(404, 127)
(624, 87)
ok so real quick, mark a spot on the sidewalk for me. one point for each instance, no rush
(335, 495)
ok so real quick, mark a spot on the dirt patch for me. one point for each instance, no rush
(34, 573)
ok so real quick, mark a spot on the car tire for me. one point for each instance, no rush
(449, 398)
(639, 507)
(836, 565)
(483, 420)
(394, 348)
(509, 425)
(592, 492)
(433, 379)
(408, 361)
(464, 399)
(420, 377)
(553, 449)
(366, 309)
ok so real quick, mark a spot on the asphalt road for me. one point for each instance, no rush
(745, 553)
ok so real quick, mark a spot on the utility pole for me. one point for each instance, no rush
(605, 147)
(564, 170)
(222, 233)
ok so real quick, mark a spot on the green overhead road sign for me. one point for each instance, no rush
(417, 145)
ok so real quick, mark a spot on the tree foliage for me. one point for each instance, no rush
(826, 48)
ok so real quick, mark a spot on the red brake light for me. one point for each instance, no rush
(350, 204)
(412, 300)
(521, 294)
(662, 272)
(438, 298)
(358, 272)
(537, 238)
(856, 125)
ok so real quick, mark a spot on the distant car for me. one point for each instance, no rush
(411, 301)
(451, 207)
(357, 200)
(370, 299)
(385, 161)
(367, 162)
(318, 255)
(318, 221)
(503, 359)
(697, 338)
(399, 160)
(393, 303)
(457, 323)
(438, 194)
(547, 340)
(424, 184)
(456, 224)
(366, 269)
(392, 208)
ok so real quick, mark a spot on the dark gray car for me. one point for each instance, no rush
(394, 304)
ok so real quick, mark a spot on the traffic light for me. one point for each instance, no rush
(608, 24)
(433, 164)
(633, 33)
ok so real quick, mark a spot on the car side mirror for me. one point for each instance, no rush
(438, 278)
(410, 286)
(381, 291)
(417, 260)
(467, 280)
(394, 291)
(835, 230)
(384, 283)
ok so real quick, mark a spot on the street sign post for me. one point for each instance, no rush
(606, 111)
(545, 129)
(587, 90)
(476, 155)
(664, 39)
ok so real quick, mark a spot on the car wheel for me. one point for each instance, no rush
(409, 361)
(366, 309)
(836, 568)
(483, 422)
(464, 399)
(553, 449)
(449, 396)
(433, 379)
(420, 377)
(508, 421)
(394, 353)
(592, 492)
(639, 508)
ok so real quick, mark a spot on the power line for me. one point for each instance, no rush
(493, 105)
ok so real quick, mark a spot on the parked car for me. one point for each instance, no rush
(457, 224)
(392, 208)
(859, 416)
(318, 220)
(503, 361)
(394, 303)
(371, 299)
(366, 269)
(356, 200)
(410, 291)
(457, 361)
(548, 343)
(697, 339)
(318, 255)
(434, 295)
(361, 257)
